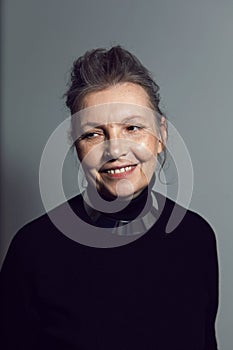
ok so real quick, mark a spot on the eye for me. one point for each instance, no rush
(92, 135)
(134, 128)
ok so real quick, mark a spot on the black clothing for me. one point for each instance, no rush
(158, 292)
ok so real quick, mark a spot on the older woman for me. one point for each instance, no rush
(149, 290)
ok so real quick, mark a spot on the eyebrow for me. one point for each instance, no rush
(127, 119)
(133, 117)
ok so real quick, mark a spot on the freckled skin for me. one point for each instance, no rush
(115, 143)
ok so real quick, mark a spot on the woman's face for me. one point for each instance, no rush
(119, 140)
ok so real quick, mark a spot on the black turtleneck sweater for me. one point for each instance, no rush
(158, 292)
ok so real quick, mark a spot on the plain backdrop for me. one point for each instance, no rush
(188, 47)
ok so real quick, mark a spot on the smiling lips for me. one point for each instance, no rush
(118, 172)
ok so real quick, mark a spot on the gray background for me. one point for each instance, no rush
(187, 45)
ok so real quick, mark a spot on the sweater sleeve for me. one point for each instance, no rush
(18, 316)
(212, 292)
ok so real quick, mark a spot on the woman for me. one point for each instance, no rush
(160, 291)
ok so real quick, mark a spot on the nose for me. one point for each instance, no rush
(116, 148)
(115, 145)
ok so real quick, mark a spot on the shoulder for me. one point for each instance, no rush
(184, 221)
(42, 233)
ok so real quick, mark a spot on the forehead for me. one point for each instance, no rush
(122, 92)
(115, 112)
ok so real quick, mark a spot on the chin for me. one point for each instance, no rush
(113, 196)
(122, 193)
(109, 195)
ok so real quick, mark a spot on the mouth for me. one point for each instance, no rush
(119, 172)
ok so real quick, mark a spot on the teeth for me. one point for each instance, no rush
(118, 171)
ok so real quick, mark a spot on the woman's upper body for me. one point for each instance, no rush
(158, 292)
(132, 286)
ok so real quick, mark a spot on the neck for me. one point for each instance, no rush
(122, 209)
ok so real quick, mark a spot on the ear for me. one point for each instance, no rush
(163, 134)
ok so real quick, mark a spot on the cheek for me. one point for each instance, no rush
(89, 157)
(146, 150)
